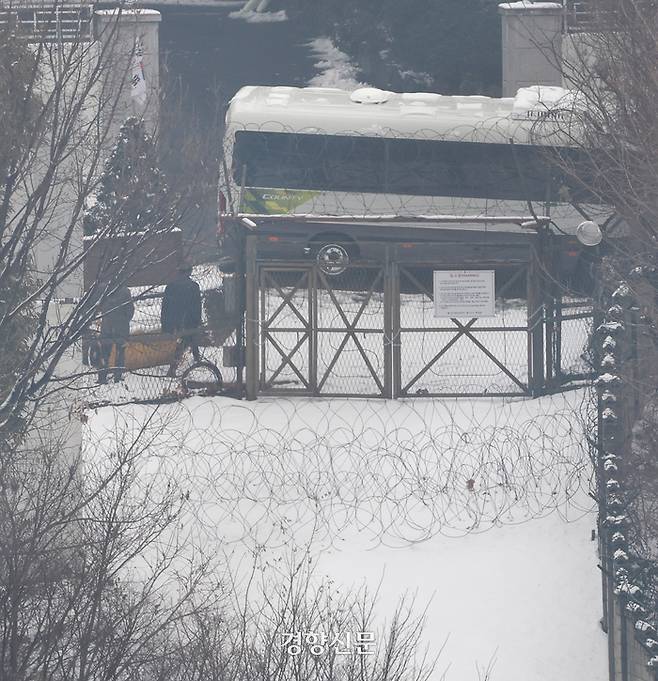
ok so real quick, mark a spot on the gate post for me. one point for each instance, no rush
(557, 337)
(240, 275)
(396, 337)
(553, 309)
(251, 322)
(313, 339)
(389, 302)
(536, 376)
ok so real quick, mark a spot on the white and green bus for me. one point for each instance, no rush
(333, 170)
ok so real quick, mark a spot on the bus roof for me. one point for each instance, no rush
(537, 111)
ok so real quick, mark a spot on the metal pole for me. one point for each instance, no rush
(606, 436)
(633, 321)
(623, 640)
(550, 338)
(600, 524)
(550, 298)
(557, 340)
(240, 275)
(536, 319)
(262, 283)
(388, 326)
(251, 322)
(312, 284)
(612, 662)
(395, 325)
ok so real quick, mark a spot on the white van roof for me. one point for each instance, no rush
(535, 110)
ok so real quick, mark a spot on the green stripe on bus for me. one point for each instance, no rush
(274, 201)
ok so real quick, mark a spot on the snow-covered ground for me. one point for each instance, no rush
(479, 507)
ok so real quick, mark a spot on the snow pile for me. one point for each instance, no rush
(335, 67)
(254, 17)
(530, 4)
(418, 77)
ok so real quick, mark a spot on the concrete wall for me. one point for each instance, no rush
(79, 61)
(532, 44)
(578, 56)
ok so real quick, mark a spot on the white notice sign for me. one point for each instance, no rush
(464, 293)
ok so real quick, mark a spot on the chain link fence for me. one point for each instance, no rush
(160, 366)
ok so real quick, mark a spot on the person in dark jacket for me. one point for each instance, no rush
(181, 314)
(117, 310)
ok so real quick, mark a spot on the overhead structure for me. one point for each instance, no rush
(542, 40)
(54, 22)
(532, 44)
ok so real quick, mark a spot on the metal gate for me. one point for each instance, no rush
(463, 356)
(371, 331)
(319, 336)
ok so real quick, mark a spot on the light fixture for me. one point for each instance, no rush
(249, 224)
(589, 233)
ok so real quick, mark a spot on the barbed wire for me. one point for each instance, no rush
(281, 472)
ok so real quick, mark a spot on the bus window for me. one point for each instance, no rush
(302, 161)
(353, 163)
(575, 176)
(418, 167)
(271, 160)
(467, 169)
(423, 167)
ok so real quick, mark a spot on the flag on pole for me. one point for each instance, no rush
(137, 80)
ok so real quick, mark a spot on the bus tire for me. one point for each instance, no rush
(334, 254)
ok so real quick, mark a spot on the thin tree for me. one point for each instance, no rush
(91, 557)
(610, 62)
(612, 119)
(58, 122)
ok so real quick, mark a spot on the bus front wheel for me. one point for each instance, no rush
(334, 256)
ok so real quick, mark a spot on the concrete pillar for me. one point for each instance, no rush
(532, 44)
(579, 57)
(122, 34)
